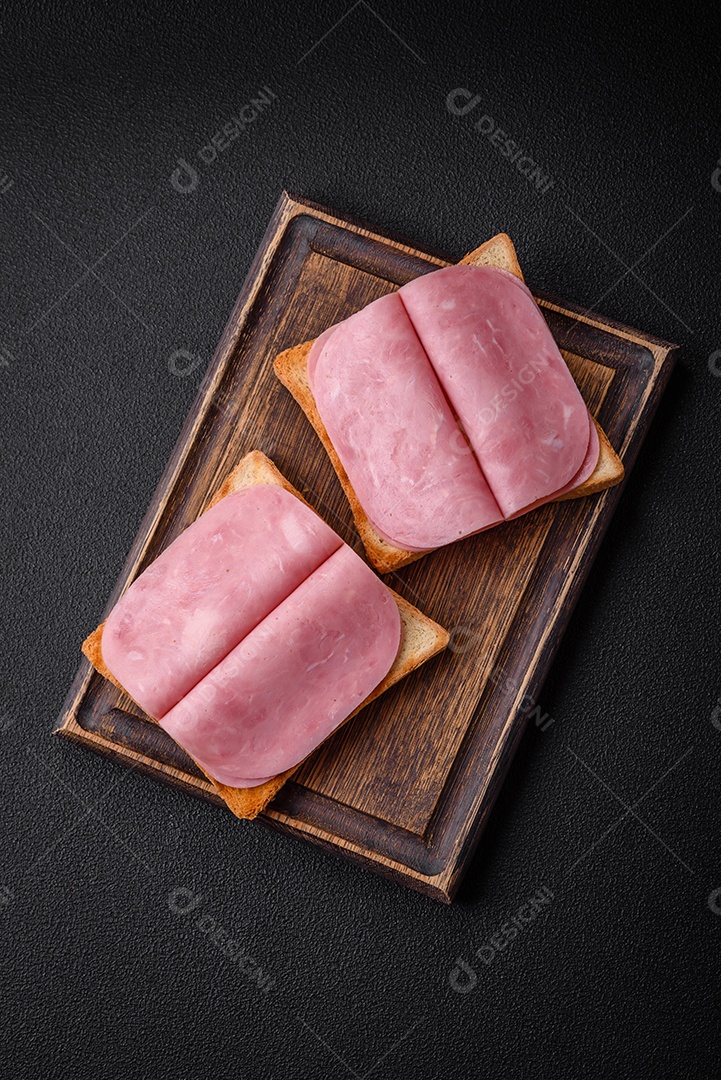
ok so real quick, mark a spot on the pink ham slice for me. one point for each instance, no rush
(502, 372)
(589, 464)
(394, 431)
(208, 590)
(294, 678)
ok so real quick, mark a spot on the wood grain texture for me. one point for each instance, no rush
(406, 787)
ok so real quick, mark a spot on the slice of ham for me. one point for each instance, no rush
(589, 464)
(208, 590)
(294, 678)
(502, 372)
(394, 431)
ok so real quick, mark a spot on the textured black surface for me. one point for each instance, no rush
(103, 975)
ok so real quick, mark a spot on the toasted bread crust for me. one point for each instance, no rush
(92, 648)
(291, 367)
(609, 470)
(421, 639)
(499, 251)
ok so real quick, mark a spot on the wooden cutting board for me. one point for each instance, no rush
(406, 787)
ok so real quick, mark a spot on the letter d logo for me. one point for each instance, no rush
(185, 178)
(463, 978)
(182, 901)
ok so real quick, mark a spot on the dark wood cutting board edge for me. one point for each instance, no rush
(432, 856)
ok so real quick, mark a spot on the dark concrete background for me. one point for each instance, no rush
(107, 271)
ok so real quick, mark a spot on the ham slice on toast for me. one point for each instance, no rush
(255, 634)
(447, 407)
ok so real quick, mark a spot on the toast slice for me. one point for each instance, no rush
(291, 367)
(421, 638)
(499, 252)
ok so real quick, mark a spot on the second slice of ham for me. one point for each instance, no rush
(502, 371)
(294, 678)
